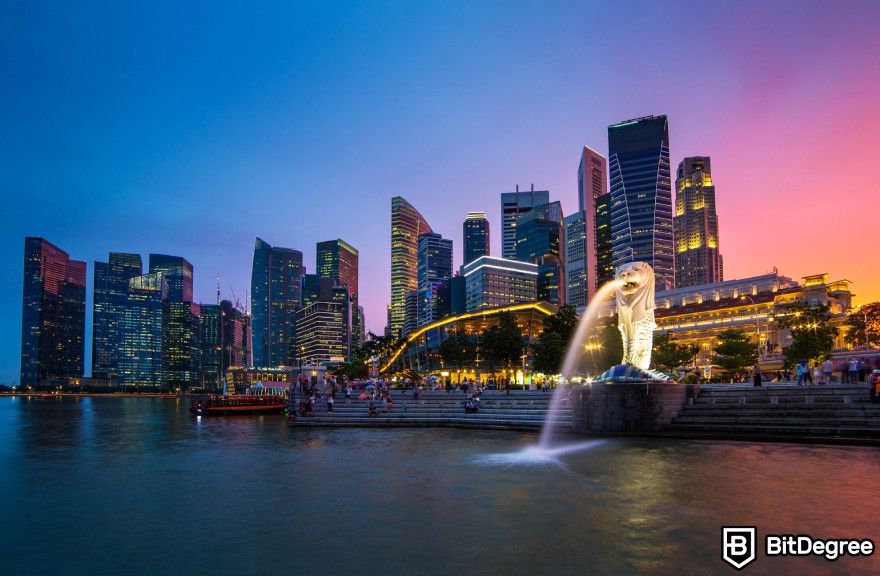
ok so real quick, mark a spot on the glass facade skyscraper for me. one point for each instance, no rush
(182, 348)
(697, 259)
(641, 196)
(338, 260)
(592, 186)
(108, 302)
(178, 273)
(514, 204)
(406, 227)
(142, 347)
(476, 236)
(604, 252)
(576, 259)
(276, 295)
(435, 270)
(540, 239)
(53, 315)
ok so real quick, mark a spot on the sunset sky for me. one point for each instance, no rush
(159, 127)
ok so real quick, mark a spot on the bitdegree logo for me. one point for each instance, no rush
(804, 545)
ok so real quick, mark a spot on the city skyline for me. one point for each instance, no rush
(767, 127)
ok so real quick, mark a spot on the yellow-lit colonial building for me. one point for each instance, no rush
(697, 314)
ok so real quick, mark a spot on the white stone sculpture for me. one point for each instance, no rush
(635, 312)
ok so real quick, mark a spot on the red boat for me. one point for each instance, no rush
(247, 404)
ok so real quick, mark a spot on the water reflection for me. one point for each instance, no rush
(138, 485)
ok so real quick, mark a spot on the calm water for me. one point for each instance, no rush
(138, 486)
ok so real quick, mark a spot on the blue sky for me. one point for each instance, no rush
(190, 129)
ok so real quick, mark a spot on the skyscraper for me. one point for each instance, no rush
(211, 342)
(513, 204)
(476, 236)
(540, 239)
(697, 259)
(604, 252)
(108, 301)
(142, 348)
(338, 260)
(576, 261)
(406, 227)
(182, 351)
(641, 196)
(178, 273)
(592, 187)
(53, 315)
(276, 295)
(435, 268)
(496, 282)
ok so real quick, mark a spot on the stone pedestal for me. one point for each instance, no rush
(624, 408)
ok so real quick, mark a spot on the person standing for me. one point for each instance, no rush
(853, 371)
(800, 373)
(828, 371)
(756, 375)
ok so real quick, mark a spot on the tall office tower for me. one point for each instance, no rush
(182, 350)
(576, 261)
(178, 273)
(604, 253)
(513, 204)
(697, 259)
(309, 289)
(336, 259)
(359, 327)
(476, 236)
(322, 333)
(411, 314)
(592, 185)
(641, 196)
(236, 336)
(53, 315)
(142, 350)
(496, 282)
(457, 294)
(406, 227)
(540, 239)
(276, 295)
(435, 268)
(108, 299)
(211, 342)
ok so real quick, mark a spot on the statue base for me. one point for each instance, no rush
(626, 400)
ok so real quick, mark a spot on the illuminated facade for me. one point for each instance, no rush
(697, 258)
(142, 348)
(514, 204)
(604, 252)
(697, 314)
(496, 282)
(420, 351)
(276, 295)
(53, 315)
(108, 301)
(435, 270)
(592, 186)
(576, 259)
(182, 351)
(225, 342)
(476, 236)
(641, 196)
(179, 274)
(323, 333)
(338, 260)
(406, 227)
(540, 239)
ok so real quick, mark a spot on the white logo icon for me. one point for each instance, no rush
(738, 545)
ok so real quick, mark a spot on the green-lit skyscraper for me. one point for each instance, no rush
(276, 295)
(108, 302)
(142, 348)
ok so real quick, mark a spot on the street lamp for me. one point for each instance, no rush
(757, 326)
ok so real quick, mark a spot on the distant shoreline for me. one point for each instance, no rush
(100, 394)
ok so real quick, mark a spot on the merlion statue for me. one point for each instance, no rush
(635, 312)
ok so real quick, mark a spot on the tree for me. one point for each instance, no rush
(557, 332)
(735, 352)
(811, 333)
(502, 344)
(458, 351)
(863, 322)
(669, 355)
(606, 351)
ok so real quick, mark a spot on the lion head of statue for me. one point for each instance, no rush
(637, 290)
